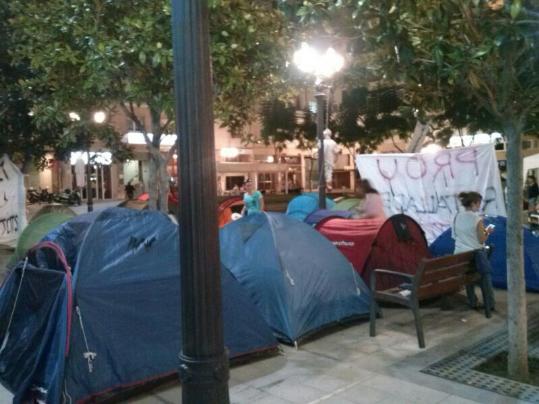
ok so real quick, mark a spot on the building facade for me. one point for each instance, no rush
(273, 170)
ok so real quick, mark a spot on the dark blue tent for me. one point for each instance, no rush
(303, 205)
(444, 244)
(296, 277)
(321, 214)
(126, 310)
(35, 307)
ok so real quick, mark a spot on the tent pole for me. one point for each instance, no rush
(203, 360)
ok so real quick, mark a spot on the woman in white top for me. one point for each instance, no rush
(470, 233)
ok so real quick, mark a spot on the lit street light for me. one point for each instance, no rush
(100, 117)
(74, 116)
(322, 66)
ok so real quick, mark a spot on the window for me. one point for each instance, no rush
(232, 181)
(341, 179)
(500, 145)
(265, 181)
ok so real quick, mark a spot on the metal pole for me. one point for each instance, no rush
(203, 359)
(89, 191)
(320, 121)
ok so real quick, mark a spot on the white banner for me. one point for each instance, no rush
(12, 202)
(425, 185)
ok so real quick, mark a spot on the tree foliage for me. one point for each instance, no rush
(121, 54)
(369, 117)
(20, 136)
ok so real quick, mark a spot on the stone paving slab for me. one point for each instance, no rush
(346, 366)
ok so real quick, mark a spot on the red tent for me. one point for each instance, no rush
(397, 244)
(353, 237)
(225, 209)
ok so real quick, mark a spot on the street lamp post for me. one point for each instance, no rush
(322, 66)
(203, 358)
(75, 117)
(321, 100)
(99, 118)
(89, 190)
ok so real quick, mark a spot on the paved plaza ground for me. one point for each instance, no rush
(347, 366)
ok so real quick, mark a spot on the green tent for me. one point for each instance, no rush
(347, 204)
(38, 228)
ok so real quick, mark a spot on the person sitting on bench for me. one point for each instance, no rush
(470, 234)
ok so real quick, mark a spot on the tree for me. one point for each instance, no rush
(121, 53)
(22, 138)
(482, 54)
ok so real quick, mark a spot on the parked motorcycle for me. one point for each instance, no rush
(35, 196)
(68, 197)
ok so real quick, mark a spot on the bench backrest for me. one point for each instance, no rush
(444, 275)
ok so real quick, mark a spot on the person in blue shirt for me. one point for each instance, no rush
(253, 201)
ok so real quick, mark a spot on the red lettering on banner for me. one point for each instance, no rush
(422, 165)
(463, 156)
(383, 173)
(443, 159)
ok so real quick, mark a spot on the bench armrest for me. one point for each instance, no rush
(374, 272)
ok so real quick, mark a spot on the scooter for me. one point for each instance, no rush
(33, 196)
(68, 197)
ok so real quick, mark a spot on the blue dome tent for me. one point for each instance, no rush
(303, 205)
(324, 214)
(125, 310)
(298, 280)
(445, 244)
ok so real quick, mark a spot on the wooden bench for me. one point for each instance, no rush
(435, 277)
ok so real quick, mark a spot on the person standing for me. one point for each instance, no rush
(331, 150)
(470, 234)
(253, 200)
(129, 190)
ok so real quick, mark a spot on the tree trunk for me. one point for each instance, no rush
(158, 187)
(164, 185)
(153, 174)
(420, 132)
(517, 317)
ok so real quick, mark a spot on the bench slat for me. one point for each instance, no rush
(443, 287)
(435, 274)
(447, 260)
